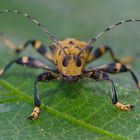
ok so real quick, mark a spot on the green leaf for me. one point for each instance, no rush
(81, 111)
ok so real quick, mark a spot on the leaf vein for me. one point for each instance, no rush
(69, 118)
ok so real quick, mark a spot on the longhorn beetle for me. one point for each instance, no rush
(70, 57)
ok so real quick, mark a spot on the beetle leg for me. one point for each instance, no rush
(25, 61)
(44, 77)
(102, 50)
(102, 76)
(7, 42)
(36, 44)
(115, 68)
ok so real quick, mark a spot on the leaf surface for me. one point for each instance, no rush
(78, 111)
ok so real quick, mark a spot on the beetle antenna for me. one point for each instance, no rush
(109, 28)
(87, 47)
(41, 26)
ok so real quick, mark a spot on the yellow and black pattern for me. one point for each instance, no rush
(38, 46)
(44, 77)
(25, 61)
(115, 68)
(102, 76)
(104, 49)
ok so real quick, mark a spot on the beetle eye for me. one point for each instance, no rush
(78, 61)
(65, 61)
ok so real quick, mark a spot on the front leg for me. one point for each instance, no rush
(44, 77)
(102, 76)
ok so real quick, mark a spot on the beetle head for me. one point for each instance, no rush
(72, 65)
(71, 68)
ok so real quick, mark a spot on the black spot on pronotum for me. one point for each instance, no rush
(71, 42)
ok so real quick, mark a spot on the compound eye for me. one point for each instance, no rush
(78, 61)
(65, 61)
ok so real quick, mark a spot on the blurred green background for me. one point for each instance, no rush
(75, 109)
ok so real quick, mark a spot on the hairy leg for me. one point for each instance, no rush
(44, 77)
(102, 76)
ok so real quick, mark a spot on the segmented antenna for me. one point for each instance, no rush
(109, 28)
(51, 36)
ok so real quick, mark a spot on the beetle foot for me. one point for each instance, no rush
(34, 114)
(124, 107)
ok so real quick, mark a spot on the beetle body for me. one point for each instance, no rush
(70, 56)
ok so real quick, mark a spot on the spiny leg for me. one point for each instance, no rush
(36, 44)
(102, 76)
(25, 61)
(102, 50)
(115, 68)
(45, 77)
